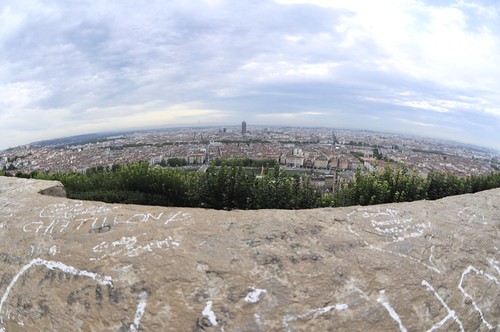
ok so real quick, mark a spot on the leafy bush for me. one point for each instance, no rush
(230, 186)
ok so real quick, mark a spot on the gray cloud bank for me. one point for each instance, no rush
(425, 68)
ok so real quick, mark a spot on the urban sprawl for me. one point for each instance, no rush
(330, 156)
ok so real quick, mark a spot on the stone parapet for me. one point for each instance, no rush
(68, 265)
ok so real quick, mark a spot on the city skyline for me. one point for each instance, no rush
(423, 68)
(292, 147)
(237, 129)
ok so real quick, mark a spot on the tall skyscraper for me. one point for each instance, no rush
(334, 138)
(243, 127)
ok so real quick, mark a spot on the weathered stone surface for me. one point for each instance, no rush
(87, 266)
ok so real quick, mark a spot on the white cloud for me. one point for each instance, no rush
(52, 123)
(453, 106)
(493, 111)
(286, 71)
(289, 114)
(425, 41)
(91, 65)
(18, 95)
(11, 22)
(420, 124)
(424, 105)
(153, 114)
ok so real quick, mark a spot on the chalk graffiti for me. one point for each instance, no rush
(394, 230)
(51, 265)
(208, 312)
(391, 225)
(79, 296)
(129, 246)
(139, 312)
(37, 251)
(313, 313)
(433, 268)
(471, 216)
(489, 278)
(495, 264)
(254, 295)
(57, 218)
(178, 216)
(141, 218)
(394, 315)
(451, 313)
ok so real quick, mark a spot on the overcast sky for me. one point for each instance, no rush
(430, 68)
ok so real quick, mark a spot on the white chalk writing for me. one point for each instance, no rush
(405, 256)
(451, 313)
(467, 271)
(51, 265)
(390, 224)
(254, 295)
(57, 218)
(471, 216)
(129, 246)
(179, 216)
(392, 239)
(36, 251)
(313, 313)
(139, 312)
(207, 312)
(394, 315)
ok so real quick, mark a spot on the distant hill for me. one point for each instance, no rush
(76, 140)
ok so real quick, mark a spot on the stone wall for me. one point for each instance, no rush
(71, 265)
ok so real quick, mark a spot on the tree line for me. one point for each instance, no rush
(230, 186)
(392, 185)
